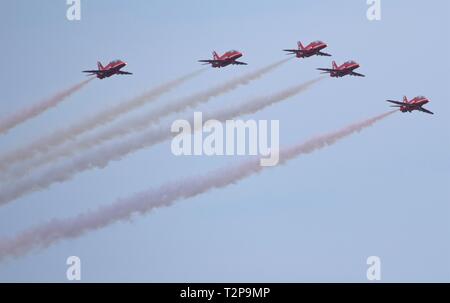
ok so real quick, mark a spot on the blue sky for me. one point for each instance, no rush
(382, 192)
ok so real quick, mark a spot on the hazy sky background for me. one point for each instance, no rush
(382, 192)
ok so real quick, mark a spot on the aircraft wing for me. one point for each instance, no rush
(425, 110)
(123, 73)
(92, 71)
(357, 74)
(323, 54)
(239, 63)
(328, 70)
(210, 61)
(397, 102)
(294, 51)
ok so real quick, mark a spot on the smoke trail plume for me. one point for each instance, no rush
(32, 111)
(103, 117)
(101, 156)
(46, 234)
(136, 124)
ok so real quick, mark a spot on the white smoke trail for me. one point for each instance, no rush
(66, 134)
(100, 157)
(32, 111)
(46, 234)
(136, 124)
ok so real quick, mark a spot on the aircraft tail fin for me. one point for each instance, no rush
(405, 99)
(300, 45)
(99, 65)
(215, 55)
(334, 65)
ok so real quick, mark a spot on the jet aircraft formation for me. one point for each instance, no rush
(312, 49)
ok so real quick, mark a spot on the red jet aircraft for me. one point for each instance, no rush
(414, 104)
(113, 68)
(340, 71)
(226, 59)
(314, 48)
